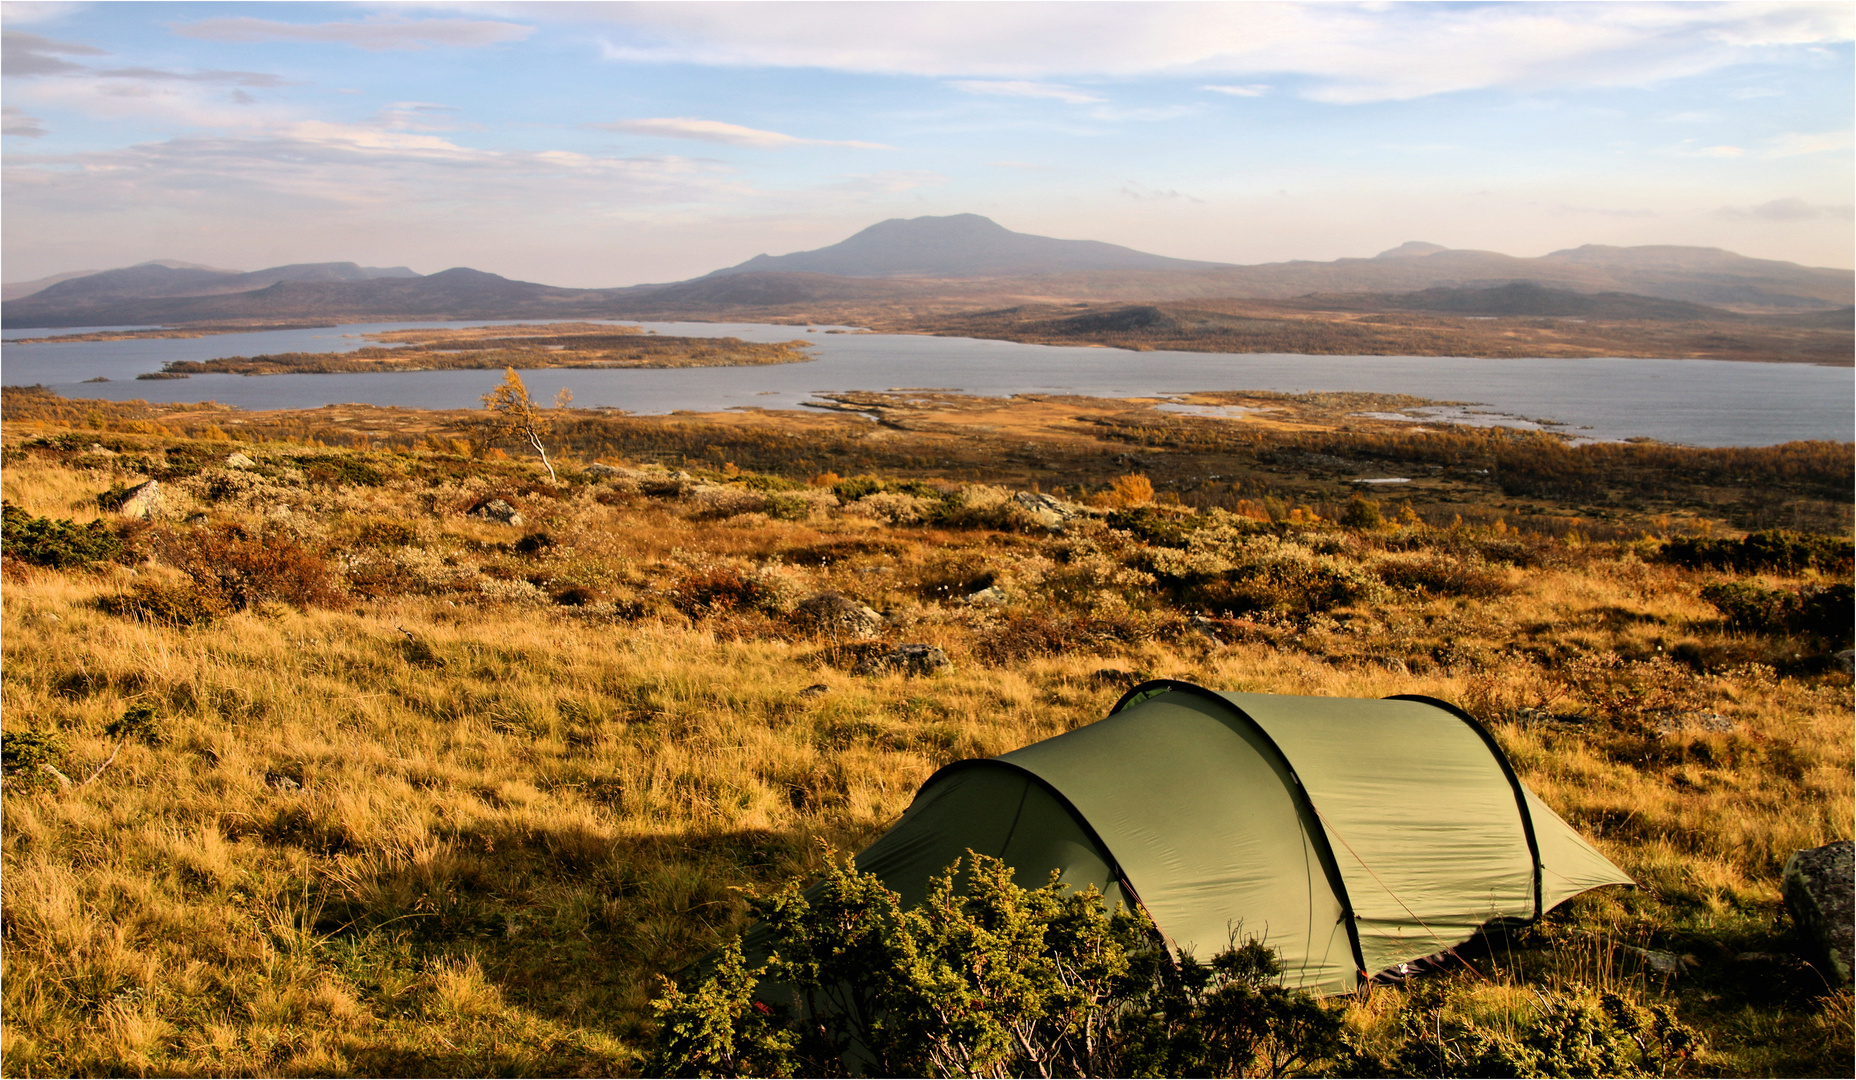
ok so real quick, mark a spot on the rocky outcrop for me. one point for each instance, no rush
(1820, 891)
(496, 510)
(236, 460)
(912, 659)
(142, 501)
(838, 616)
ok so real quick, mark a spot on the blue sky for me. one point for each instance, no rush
(609, 144)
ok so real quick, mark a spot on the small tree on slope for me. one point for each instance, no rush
(514, 415)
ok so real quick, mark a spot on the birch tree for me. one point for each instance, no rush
(514, 415)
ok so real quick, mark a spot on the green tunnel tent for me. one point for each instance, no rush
(1350, 835)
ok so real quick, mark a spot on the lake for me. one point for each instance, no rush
(1698, 402)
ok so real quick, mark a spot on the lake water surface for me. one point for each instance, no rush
(1698, 402)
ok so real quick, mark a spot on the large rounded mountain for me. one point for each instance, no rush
(957, 246)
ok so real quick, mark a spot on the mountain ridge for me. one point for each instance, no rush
(957, 262)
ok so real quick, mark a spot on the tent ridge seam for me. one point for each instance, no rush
(1330, 866)
(1514, 783)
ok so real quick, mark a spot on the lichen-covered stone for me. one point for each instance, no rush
(1820, 891)
(911, 659)
(142, 501)
(838, 616)
(496, 510)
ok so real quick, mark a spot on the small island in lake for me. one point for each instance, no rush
(527, 346)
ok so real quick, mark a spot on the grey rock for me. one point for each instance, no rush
(1667, 964)
(837, 615)
(496, 510)
(909, 659)
(815, 690)
(1820, 891)
(236, 460)
(991, 594)
(1846, 659)
(280, 782)
(1205, 626)
(142, 501)
(600, 468)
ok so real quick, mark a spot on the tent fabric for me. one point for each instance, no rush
(1350, 835)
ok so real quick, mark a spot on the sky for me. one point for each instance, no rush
(606, 144)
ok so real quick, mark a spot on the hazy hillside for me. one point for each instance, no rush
(939, 265)
(957, 246)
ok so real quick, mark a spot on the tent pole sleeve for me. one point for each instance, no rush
(1324, 848)
(1121, 877)
(1514, 782)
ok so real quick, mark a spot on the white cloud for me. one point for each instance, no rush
(1795, 143)
(1069, 95)
(318, 164)
(376, 33)
(1253, 90)
(18, 123)
(24, 55)
(1134, 189)
(1788, 209)
(717, 131)
(1348, 52)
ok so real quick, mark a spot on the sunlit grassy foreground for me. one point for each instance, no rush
(457, 816)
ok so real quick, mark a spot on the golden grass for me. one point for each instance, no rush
(438, 832)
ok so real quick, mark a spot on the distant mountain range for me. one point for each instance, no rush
(959, 246)
(959, 263)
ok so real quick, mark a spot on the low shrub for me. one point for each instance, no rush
(56, 542)
(181, 604)
(1018, 637)
(1774, 550)
(25, 754)
(244, 570)
(1821, 611)
(984, 978)
(1443, 577)
(1571, 1033)
(723, 588)
(337, 469)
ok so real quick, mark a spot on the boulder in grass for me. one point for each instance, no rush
(1821, 894)
(838, 616)
(911, 659)
(236, 460)
(142, 501)
(496, 510)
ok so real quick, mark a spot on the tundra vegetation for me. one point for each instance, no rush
(553, 345)
(330, 766)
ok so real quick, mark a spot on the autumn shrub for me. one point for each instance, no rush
(721, 588)
(1443, 577)
(341, 469)
(55, 542)
(983, 978)
(1822, 611)
(1021, 636)
(178, 604)
(245, 569)
(27, 754)
(1774, 550)
(1362, 514)
(1573, 1032)
(1156, 527)
(1132, 490)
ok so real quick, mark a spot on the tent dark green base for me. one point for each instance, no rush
(1350, 835)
